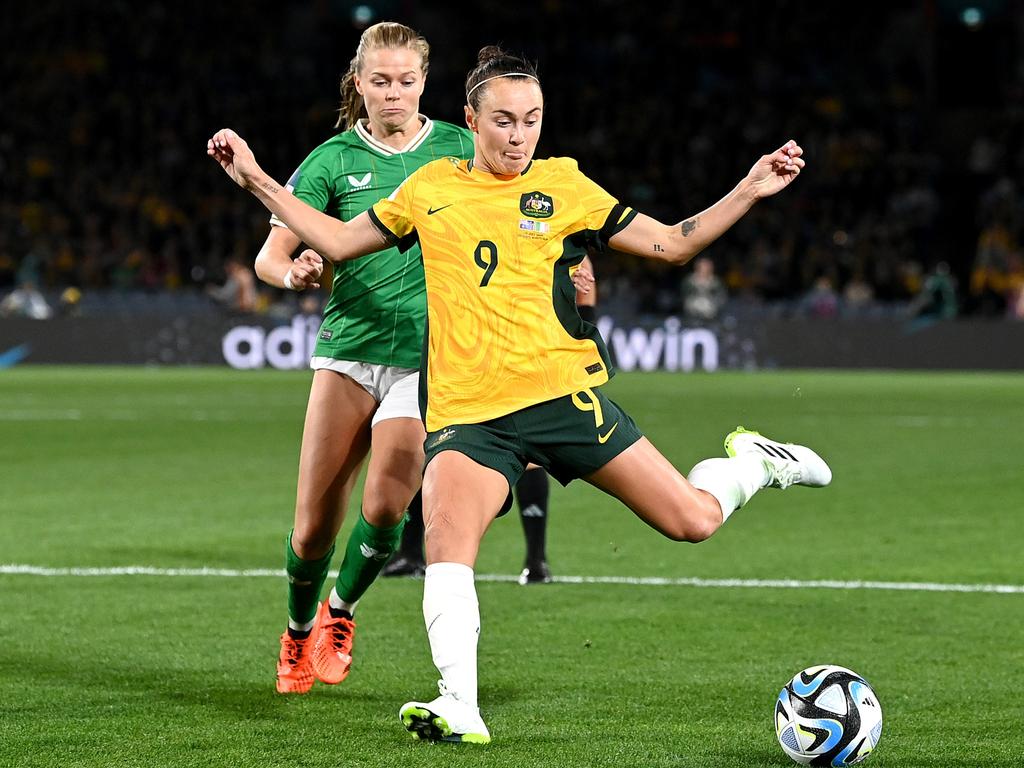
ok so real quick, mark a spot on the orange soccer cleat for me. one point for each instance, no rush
(332, 652)
(295, 664)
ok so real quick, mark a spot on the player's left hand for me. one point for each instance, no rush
(305, 271)
(773, 173)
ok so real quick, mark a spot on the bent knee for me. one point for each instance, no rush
(694, 524)
(384, 517)
(311, 542)
(384, 512)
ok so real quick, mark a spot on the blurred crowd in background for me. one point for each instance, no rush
(910, 115)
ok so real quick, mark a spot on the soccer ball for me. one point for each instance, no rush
(828, 715)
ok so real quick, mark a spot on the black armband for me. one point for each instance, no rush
(587, 312)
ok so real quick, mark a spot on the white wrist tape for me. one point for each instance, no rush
(288, 281)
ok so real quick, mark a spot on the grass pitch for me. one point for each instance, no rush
(194, 468)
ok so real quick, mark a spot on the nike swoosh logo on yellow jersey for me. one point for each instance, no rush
(602, 439)
(432, 211)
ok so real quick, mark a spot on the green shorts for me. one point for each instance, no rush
(570, 437)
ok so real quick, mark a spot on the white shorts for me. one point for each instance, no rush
(396, 390)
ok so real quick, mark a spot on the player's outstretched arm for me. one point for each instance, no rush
(336, 240)
(679, 243)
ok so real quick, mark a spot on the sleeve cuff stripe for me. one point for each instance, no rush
(380, 225)
(627, 216)
(618, 219)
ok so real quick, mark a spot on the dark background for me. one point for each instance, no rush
(909, 113)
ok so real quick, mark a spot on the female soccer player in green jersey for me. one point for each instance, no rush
(511, 373)
(363, 397)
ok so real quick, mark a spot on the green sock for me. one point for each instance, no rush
(367, 551)
(305, 580)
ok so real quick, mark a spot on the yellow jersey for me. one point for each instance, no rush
(502, 329)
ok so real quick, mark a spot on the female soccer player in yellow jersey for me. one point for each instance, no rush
(511, 373)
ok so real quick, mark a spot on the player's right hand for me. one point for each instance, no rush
(231, 151)
(305, 271)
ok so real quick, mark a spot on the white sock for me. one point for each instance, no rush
(731, 481)
(452, 615)
(340, 605)
(297, 627)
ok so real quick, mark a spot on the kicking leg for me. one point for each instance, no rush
(692, 508)
(681, 509)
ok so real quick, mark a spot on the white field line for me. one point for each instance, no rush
(134, 416)
(14, 569)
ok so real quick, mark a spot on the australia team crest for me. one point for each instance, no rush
(536, 205)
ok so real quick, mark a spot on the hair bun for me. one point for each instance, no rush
(488, 54)
(494, 62)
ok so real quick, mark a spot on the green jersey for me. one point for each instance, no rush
(378, 307)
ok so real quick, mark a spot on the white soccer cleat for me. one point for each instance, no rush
(788, 463)
(446, 718)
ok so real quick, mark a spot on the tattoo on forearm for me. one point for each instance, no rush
(689, 225)
(658, 248)
(270, 187)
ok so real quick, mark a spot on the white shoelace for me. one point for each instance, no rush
(785, 474)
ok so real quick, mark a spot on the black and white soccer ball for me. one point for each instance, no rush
(828, 715)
